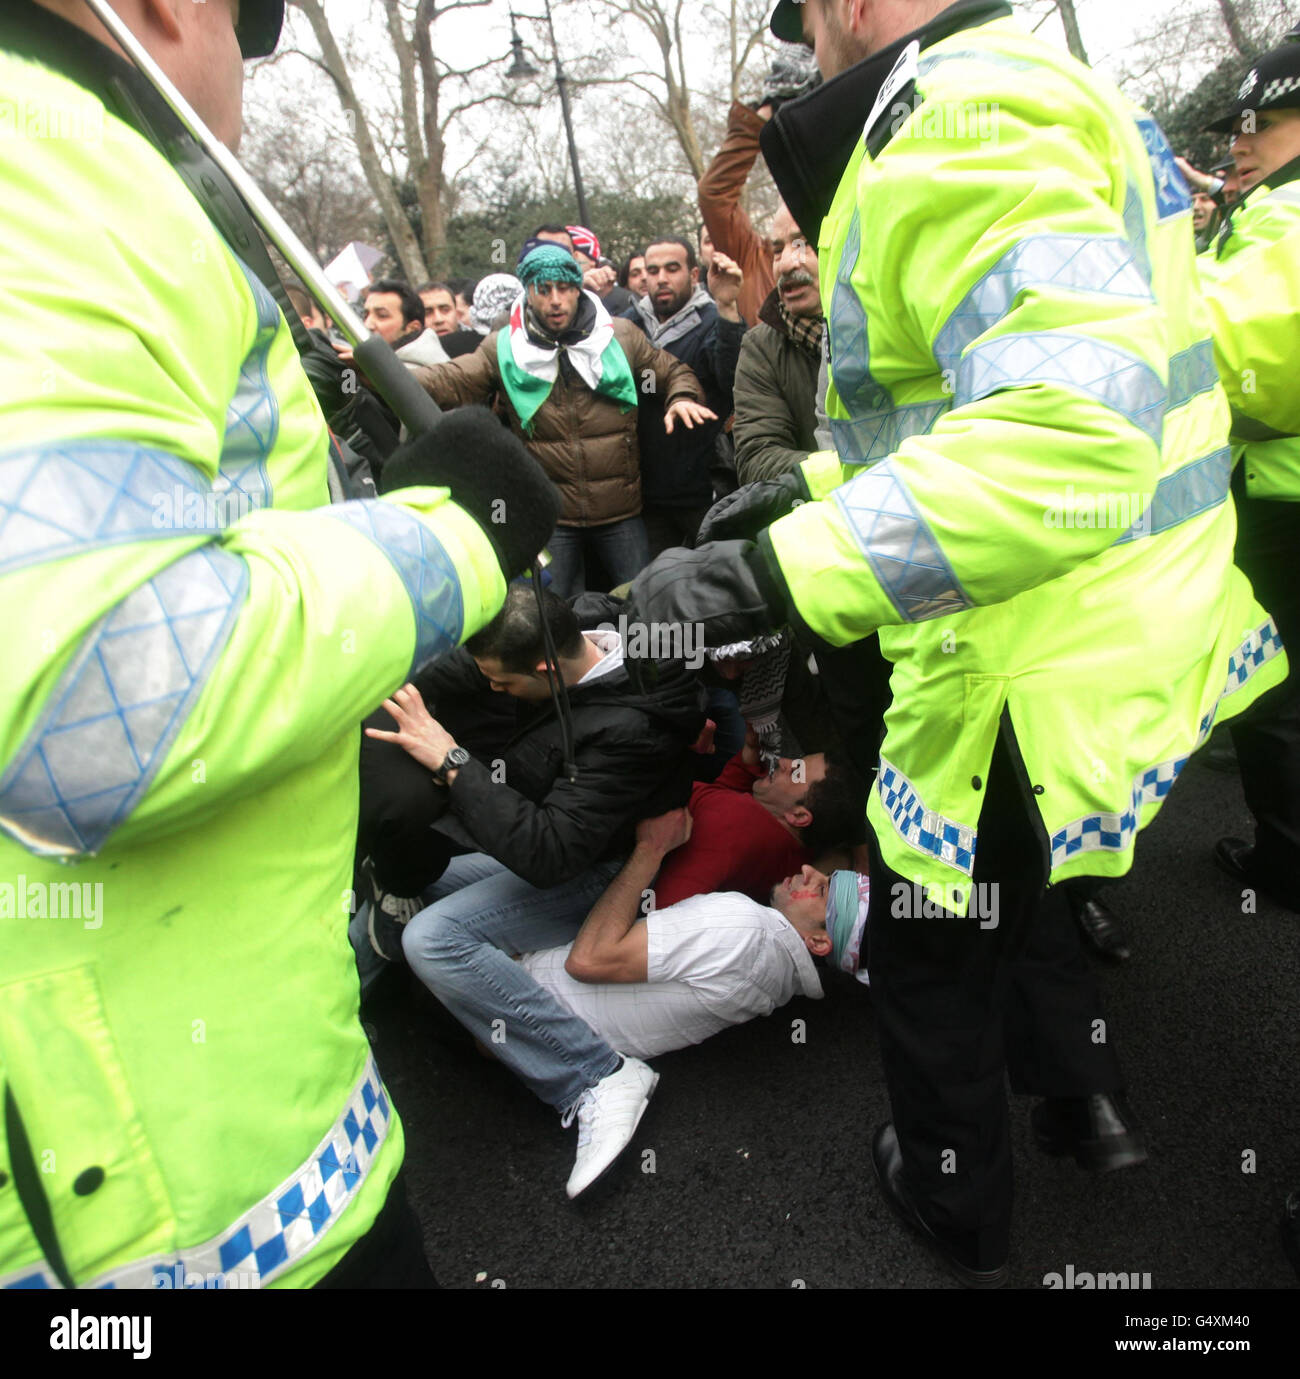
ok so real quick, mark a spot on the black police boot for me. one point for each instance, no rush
(887, 1159)
(1291, 1230)
(1100, 1131)
(1236, 857)
(1233, 856)
(1098, 924)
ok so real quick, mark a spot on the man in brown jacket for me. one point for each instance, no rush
(719, 191)
(725, 219)
(568, 377)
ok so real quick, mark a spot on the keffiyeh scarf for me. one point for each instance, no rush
(761, 689)
(529, 359)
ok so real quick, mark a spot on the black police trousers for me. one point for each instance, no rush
(1267, 735)
(961, 1004)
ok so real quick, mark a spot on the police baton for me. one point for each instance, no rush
(391, 378)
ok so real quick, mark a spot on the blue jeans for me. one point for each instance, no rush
(623, 548)
(370, 966)
(463, 949)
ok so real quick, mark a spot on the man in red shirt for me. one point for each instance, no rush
(752, 830)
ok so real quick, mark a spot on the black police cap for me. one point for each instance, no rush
(1273, 83)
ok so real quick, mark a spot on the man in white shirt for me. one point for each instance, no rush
(649, 984)
(545, 842)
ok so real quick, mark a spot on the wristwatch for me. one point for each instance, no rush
(453, 761)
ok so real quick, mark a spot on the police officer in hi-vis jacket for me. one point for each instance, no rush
(192, 638)
(1028, 499)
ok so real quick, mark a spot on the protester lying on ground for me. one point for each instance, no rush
(548, 842)
(648, 984)
(752, 827)
(626, 746)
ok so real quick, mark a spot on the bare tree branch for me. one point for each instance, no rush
(399, 227)
(1070, 22)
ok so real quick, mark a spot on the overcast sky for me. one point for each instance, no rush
(481, 33)
(1107, 27)
(475, 35)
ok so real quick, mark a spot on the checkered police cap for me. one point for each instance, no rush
(1273, 83)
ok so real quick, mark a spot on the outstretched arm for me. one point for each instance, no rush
(611, 945)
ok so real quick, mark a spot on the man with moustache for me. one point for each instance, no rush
(776, 376)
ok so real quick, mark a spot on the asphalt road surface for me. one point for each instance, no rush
(751, 1168)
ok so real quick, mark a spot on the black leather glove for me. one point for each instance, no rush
(490, 475)
(729, 589)
(741, 515)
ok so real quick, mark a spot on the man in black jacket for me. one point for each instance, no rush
(679, 316)
(547, 842)
(355, 416)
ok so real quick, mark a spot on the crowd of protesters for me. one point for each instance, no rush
(667, 853)
(691, 830)
(817, 686)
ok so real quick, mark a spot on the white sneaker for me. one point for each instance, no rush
(608, 1115)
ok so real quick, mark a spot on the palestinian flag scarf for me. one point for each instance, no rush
(530, 361)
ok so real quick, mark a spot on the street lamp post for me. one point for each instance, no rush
(520, 68)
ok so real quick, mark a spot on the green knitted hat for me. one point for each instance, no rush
(549, 263)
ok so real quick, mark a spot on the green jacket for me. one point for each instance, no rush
(775, 398)
(1251, 281)
(193, 640)
(1029, 495)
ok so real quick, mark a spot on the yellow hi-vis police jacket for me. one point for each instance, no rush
(191, 640)
(1251, 279)
(1028, 498)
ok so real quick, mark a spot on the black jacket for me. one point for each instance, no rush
(354, 414)
(618, 300)
(632, 753)
(458, 342)
(675, 468)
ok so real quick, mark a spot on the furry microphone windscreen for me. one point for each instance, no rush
(490, 474)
